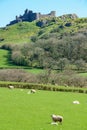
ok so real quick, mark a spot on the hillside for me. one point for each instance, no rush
(22, 31)
(48, 50)
(54, 38)
(18, 33)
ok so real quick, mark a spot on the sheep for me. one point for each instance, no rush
(76, 102)
(56, 118)
(33, 91)
(11, 87)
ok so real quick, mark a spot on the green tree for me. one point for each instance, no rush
(62, 63)
(80, 64)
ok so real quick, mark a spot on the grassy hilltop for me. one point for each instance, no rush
(22, 31)
(18, 33)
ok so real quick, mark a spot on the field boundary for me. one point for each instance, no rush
(44, 87)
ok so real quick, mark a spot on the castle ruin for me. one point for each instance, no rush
(30, 16)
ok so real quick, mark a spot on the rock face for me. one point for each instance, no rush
(69, 16)
(30, 16)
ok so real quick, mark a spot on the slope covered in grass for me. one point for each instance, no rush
(5, 62)
(18, 33)
(4, 58)
(22, 31)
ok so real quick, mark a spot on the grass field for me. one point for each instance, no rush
(3, 58)
(83, 74)
(4, 62)
(22, 111)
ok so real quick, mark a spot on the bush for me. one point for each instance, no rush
(49, 78)
(17, 75)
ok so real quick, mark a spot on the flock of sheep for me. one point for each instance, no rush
(55, 118)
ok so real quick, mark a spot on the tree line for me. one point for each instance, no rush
(54, 52)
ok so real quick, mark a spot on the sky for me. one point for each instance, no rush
(10, 8)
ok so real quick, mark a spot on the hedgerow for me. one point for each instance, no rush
(43, 87)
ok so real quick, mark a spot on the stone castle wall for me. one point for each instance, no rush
(30, 16)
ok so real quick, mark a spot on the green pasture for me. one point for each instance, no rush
(22, 111)
(83, 74)
(3, 58)
(34, 70)
(4, 62)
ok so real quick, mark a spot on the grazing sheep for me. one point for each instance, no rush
(33, 91)
(57, 118)
(76, 102)
(11, 87)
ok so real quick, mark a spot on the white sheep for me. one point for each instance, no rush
(33, 91)
(56, 118)
(76, 102)
(11, 87)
